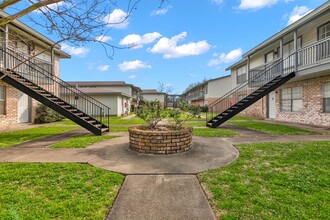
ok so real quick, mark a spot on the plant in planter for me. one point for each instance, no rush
(183, 113)
(162, 139)
(152, 113)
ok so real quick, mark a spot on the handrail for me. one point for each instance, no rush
(60, 80)
(306, 56)
(314, 44)
(55, 85)
(279, 67)
(248, 82)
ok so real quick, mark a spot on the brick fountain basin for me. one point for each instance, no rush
(168, 141)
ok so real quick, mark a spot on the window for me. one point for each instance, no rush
(2, 100)
(324, 31)
(291, 99)
(326, 97)
(241, 74)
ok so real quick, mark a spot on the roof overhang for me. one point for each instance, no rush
(323, 8)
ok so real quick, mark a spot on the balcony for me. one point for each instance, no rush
(195, 96)
(305, 58)
(314, 54)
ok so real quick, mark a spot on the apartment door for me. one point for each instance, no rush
(24, 104)
(271, 107)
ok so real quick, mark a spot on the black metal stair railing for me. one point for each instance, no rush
(25, 67)
(281, 67)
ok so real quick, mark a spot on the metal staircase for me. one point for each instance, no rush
(27, 76)
(259, 84)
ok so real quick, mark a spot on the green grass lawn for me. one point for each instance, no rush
(270, 128)
(213, 132)
(273, 181)
(118, 128)
(81, 141)
(8, 139)
(56, 191)
(192, 123)
(121, 121)
(242, 118)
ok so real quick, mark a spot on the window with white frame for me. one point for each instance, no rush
(241, 74)
(326, 97)
(324, 31)
(2, 100)
(291, 99)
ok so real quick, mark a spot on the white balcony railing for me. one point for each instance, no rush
(314, 53)
(196, 96)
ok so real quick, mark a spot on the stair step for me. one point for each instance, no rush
(60, 103)
(35, 90)
(104, 129)
(53, 98)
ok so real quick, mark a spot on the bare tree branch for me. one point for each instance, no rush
(7, 3)
(26, 11)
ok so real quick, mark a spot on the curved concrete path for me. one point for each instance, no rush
(156, 186)
(205, 154)
(147, 193)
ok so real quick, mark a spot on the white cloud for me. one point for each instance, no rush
(297, 13)
(170, 49)
(117, 19)
(256, 4)
(135, 65)
(161, 11)
(217, 2)
(132, 76)
(137, 41)
(103, 67)
(103, 38)
(54, 6)
(75, 51)
(226, 58)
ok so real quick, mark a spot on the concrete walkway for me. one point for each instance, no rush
(156, 186)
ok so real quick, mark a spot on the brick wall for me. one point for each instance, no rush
(257, 110)
(160, 142)
(10, 118)
(312, 112)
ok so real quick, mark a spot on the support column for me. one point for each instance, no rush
(248, 68)
(295, 56)
(6, 39)
(281, 55)
(52, 59)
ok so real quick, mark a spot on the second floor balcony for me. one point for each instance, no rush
(195, 96)
(307, 60)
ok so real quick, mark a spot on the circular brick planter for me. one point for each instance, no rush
(158, 141)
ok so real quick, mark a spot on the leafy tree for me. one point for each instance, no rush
(152, 113)
(184, 113)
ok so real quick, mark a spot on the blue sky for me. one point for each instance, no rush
(182, 42)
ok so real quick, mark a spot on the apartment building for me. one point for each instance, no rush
(284, 78)
(208, 91)
(122, 98)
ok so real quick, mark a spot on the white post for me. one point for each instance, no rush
(295, 50)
